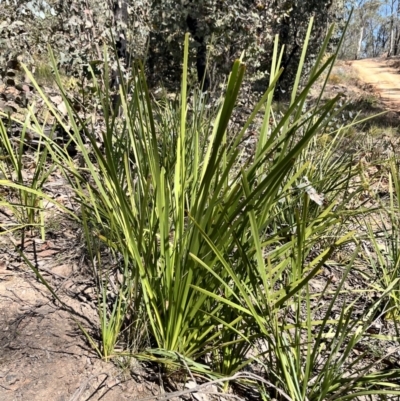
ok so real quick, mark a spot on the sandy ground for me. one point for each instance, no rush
(44, 356)
(385, 79)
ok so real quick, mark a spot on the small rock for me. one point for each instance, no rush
(12, 105)
(11, 379)
(63, 270)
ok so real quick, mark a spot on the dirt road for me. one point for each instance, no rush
(385, 80)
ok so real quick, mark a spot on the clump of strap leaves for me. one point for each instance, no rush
(216, 253)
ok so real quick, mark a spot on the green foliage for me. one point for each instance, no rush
(26, 204)
(385, 258)
(230, 27)
(76, 29)
(217, 252)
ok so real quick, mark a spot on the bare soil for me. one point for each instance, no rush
(44, 356)
(381, 74)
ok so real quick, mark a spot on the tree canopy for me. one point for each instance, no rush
(77, 30)
(374, 29)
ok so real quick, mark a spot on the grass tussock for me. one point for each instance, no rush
(220, 252)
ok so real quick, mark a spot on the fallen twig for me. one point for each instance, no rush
(203, 388)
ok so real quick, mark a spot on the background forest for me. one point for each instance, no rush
(77, 31)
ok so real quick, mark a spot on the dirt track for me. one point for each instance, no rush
(385, 79)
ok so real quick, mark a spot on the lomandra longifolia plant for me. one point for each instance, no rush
(214, 252)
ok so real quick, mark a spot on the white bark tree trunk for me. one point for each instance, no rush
(360, 43)
(391, 48)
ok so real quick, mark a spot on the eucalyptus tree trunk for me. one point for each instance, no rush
(201, 53)
(120, 12)
(392, 39)
(360, 43)
(396, 42)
